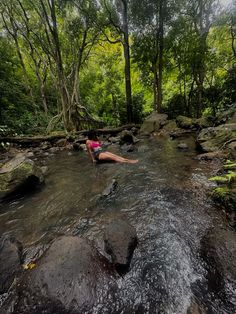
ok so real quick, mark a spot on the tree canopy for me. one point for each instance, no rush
(79, 64)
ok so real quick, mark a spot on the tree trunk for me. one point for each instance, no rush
(129, 105)
(155, 86)
(160, 56)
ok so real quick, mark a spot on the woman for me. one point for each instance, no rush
(97, 154)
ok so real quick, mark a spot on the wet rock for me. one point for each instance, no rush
(127, 137)
(214, 155)
(153, 123)
(226, 196)
(196, 308)
(53, 150)
(114, 139)
(218, 249)
(69, 278)
(110, 188)
(77, 146)
(29, 154)
(44, 169)
(182, 146)
(120, 240)
(128, 148)
(18, 172)
(61, 143)
(217, 138)
(45, 146)
(10, 262)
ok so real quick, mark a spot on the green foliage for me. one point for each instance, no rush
(83, 30)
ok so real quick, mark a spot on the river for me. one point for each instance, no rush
(164, 196)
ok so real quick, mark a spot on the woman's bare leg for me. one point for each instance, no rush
(113, 157)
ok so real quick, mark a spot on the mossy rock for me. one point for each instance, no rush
(184, 122)
(227, 116)
(226, 197)
(204, 122)
(170, 126)
(216, 138)
(16, 172)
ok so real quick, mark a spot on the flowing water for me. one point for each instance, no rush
(164, 197)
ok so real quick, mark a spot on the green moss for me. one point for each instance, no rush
(226, 197)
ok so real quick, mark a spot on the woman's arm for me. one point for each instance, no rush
(90, 151)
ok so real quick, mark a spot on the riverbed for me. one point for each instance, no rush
(165, 197)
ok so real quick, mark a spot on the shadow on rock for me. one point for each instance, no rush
(71, 277)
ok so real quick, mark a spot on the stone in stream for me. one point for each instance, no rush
(217, 138)
(17, 172)
(69, 278)
(218, 249)
(182, 146)
(10, 262)
(120, 240)
(153, 123)
(110, 188)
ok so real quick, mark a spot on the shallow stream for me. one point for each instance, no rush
(164, 197)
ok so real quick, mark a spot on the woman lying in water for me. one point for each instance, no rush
(96, 152)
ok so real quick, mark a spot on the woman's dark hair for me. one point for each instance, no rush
(92, 135)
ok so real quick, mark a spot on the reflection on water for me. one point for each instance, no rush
(163, 197)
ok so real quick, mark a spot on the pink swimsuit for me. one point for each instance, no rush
(96, 148)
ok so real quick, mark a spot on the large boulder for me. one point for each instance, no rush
(17, 172)
(10, 262)
(120, 240)
(127, 137)
(226, 116)
(69, 278)
(216, 138)
(184, 122)
(153, 122)
(218, 249)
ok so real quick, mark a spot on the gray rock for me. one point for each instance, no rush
(184, 122)
(17, 172)
(120, 240)
(114, 139)
(110, 188)
(182, 146)
(153, 123)
(69, 278)
(216, 138)
(218, 249)
(10, 262)
(44, 169)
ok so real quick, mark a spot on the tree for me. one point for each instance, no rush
(117, 16)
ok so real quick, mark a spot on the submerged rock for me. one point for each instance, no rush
(69, 278)
(17, 172)
(120, 240)
(110, 188)
(10, 262)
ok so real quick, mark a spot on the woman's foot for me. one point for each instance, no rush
(132, 161)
